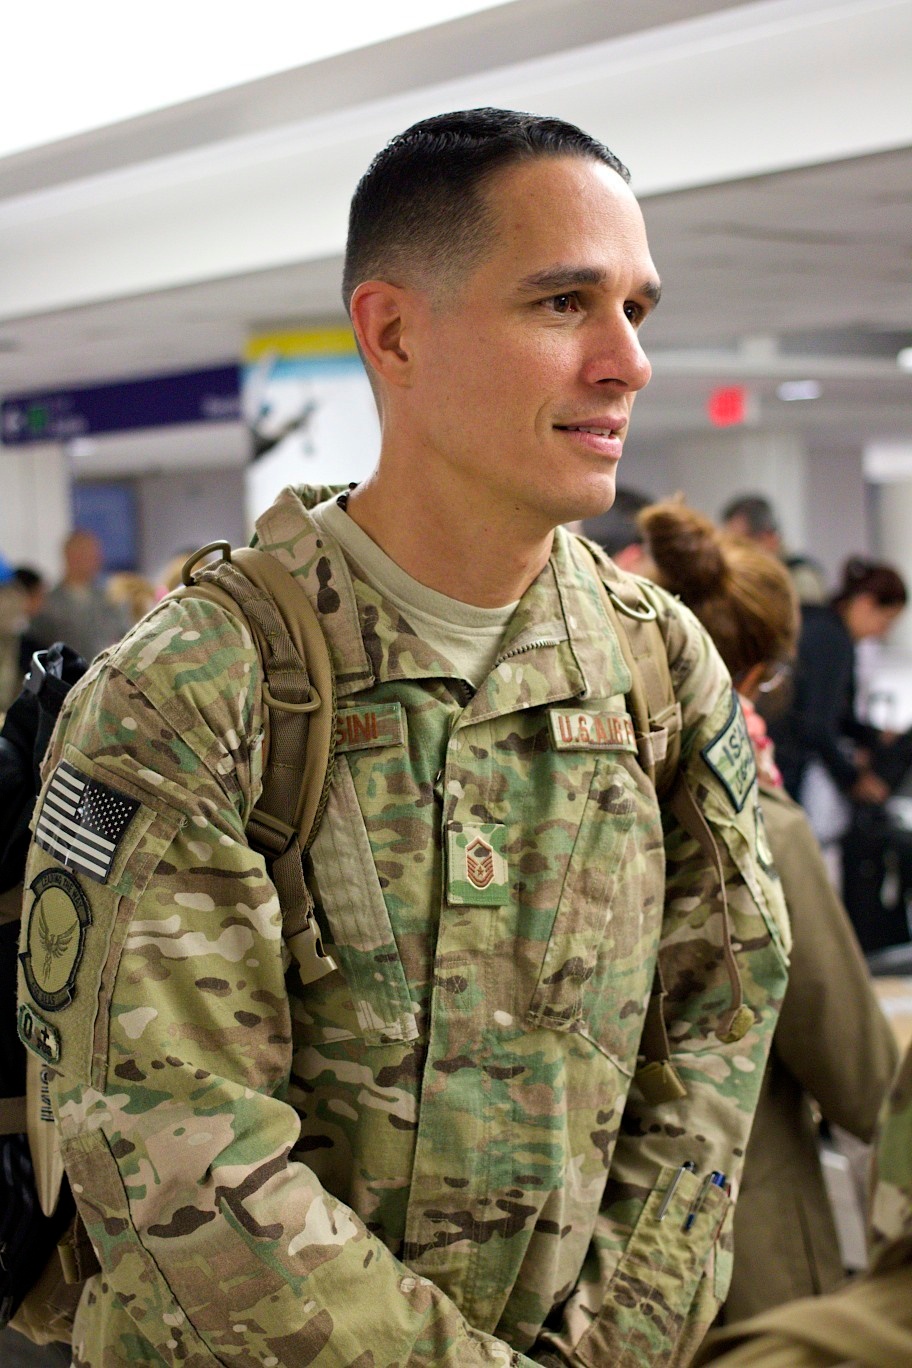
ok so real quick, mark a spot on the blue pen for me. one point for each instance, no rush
(714, 1179)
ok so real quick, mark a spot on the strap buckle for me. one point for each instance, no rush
(209, 549)
(640, 612)
(313, 702)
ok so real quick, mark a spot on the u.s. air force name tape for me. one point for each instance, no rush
(591, 729)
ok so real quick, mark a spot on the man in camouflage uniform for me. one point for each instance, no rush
(448, 1151)
(868, 1322)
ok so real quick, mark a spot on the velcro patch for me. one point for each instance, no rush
(591, 729)
(54, 938)
(37, 1035)
(82, 822)
(730, 756)
(478, 875)
(370, 725)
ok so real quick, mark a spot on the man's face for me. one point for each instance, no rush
(526, 374)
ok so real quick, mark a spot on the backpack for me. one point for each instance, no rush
(45, 1258)
(39, 1295)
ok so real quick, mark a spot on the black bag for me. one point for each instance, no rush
(27, 1236)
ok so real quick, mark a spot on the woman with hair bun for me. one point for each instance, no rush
(832, 1043)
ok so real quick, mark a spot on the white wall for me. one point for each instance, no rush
(185, 510)
(35, 513)
(836, 520)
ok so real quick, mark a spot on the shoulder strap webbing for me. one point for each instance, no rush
(299, 746)
(657, 721)
(654, 708)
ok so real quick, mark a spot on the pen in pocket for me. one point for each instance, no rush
(714, 1179)
(687, 1167)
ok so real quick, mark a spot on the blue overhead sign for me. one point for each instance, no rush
(203, 396)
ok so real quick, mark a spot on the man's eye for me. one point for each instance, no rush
(635, 312)
(564, 303)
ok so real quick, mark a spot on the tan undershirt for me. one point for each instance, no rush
(470, 637)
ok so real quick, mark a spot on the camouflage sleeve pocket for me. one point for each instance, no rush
(98, 835)
(654, 1285)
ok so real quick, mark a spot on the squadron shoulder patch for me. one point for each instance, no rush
(82, 822)
(55, 929)
(730, 756)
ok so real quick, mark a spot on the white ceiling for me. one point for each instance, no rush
(804, 272)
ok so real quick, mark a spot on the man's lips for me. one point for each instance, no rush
(604, 436)
(601, 426)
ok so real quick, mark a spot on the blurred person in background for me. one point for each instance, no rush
(823, 750)
(34, 588)
(77, 610)
(832, 1043)
(131, 592)
(752, 516)
(171, 573)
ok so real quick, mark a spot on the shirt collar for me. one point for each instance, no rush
(559, 643)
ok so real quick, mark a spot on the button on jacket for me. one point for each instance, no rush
(439, 1153)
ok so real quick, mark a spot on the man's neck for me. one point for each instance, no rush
(470, 554)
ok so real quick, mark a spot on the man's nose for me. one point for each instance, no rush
(618, 357)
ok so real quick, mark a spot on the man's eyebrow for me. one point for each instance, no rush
(556, 279)
(560, 279)
(652, 290)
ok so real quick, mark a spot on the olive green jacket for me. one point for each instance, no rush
(437, 1155)
(832, 1044)
(869, 1321)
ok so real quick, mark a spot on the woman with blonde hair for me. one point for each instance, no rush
(832, 1043)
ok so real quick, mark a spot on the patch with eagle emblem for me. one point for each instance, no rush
(55, 932)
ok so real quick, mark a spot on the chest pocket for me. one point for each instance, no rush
(371, 997)
(598, 965)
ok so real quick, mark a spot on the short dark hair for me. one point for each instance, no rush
(861, 576)
(755, 509)
(28, 578)
(420, 200)
(618, 528)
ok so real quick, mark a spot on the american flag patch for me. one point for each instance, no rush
(82, 822)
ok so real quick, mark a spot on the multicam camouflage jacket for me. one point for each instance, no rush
(438, 1154)
(867, 1323)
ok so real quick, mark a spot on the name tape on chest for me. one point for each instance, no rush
(591, 729)
(82, 822)
(370, 725)
(730, 756)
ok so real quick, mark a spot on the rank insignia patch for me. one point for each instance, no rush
(82, 822)
(54, 938)
(478, 874)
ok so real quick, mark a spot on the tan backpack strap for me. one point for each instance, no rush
(654, 708)
(299, 749)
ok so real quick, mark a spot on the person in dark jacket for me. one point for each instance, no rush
(820, 724)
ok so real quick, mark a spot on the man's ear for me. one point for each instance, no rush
(380, 315)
